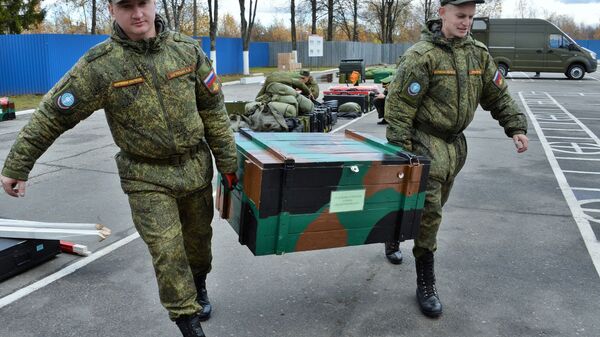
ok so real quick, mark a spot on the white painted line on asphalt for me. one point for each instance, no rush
(574, 158)
(581, 94)
(580, 172)
(560, 137)
(6, 300)
(586, 189)
(582, 220)
(550, 129)
(590, 118)
(352, 121)
(567, 123)
(24, 112)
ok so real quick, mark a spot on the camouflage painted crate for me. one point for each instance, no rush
(307, 191)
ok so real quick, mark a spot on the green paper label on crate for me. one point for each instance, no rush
(347, 201)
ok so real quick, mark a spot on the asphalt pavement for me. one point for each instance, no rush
(513, 260)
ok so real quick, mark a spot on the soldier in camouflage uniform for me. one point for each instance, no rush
(289, 79)
(439, 83)
(310, 82)
(165, 109)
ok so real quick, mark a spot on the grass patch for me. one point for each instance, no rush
(26, 102)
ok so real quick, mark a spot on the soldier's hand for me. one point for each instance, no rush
(13, 187)
(521, 143)
(229, 180)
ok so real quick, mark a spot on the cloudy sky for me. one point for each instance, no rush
(585, 11)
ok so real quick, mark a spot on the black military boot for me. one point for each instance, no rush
(427, 295)
(392, 252)
(202, 297)
(190, 326)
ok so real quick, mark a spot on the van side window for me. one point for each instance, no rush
(557, 41)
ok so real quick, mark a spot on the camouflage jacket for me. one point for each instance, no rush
(440, 82)
(287, 78)
(161, 98)
(313, 87)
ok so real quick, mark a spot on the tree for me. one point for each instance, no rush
(213, 28)
(429, 9)
(94, 12)
(385, 13)
(330, 11)
(246, 30)
(175, 10)
(492, 9)
(293, 29)
(313, 12)
(18, 15)
(347, 17)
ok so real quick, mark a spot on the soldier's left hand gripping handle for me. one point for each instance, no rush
(229, 180)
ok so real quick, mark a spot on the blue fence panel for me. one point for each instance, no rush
(65, 50)
(33, 63)
(259, 54)
(23, 64)
(229, 54)
(593, 45)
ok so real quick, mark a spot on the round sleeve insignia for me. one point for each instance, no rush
(414, 89)
(66, 100)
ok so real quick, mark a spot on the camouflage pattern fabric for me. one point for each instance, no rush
(313, 87)
(432, 99)
(161, 98)
(176, 228)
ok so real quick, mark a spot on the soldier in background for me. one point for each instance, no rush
(433, 98)
(289, 79)
(379, 103)
(310, 82)
(165, 109)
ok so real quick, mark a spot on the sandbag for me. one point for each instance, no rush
(286, 110)
(281, 89)
(289, 99)
(305, 105)
(350, 107)
(264, 120)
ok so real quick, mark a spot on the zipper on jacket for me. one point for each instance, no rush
(160, 100)
(457, 85)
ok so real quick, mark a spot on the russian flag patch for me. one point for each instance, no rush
(212, 83)
(498, 79)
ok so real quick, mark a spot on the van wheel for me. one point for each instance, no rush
(576, 72)
(503, 69)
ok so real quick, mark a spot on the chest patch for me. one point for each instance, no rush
(66, 100)
(444, 72)
(181, 72)
(414, 89)
(475, 72)
(126, 83)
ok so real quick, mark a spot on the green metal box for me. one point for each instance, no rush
(308, 191)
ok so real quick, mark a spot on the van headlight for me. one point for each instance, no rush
(593, 55)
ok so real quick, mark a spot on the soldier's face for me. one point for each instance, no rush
(135, 17)
(457, 20)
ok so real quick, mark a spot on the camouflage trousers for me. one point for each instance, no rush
(446, 162)
(177, 231)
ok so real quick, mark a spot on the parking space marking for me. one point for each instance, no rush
(583, 216)
(580, 172)
(8, 299)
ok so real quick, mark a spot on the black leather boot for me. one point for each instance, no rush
(202, 297)
(392, 252)
(190, 326)
(427, 295)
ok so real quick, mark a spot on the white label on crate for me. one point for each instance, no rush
(347, 201)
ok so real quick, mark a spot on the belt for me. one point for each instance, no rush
(430, 130)
(175, 160)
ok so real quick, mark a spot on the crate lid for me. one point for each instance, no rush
(276, 149)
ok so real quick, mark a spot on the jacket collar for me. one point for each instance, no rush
(150, 45)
